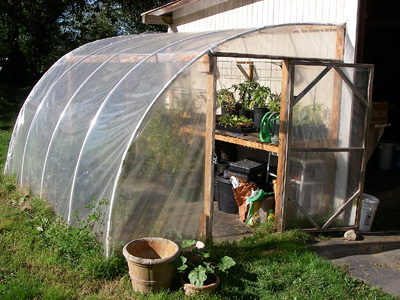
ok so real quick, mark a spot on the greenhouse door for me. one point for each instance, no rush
(326, 144)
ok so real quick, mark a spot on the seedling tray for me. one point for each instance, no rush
(238, 130)
(248, 166)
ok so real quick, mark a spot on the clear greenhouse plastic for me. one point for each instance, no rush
(330, 120)
(122, 119)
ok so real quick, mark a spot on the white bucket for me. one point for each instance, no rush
(368, 210)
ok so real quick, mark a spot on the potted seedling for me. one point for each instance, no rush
(198, 270)
(260, 97)
(246, 90)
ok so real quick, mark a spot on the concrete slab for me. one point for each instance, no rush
(228, 227)
(374, 258)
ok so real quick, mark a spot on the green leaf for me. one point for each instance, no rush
(209, 268)
(225, 263)
(187, 243)
(198, 276)
(180, 263)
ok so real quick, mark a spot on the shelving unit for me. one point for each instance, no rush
(250, 140)
(337, 143)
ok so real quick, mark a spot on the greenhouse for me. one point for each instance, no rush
(131, 119)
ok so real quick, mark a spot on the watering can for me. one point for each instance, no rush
(266, 126)
(274, 128)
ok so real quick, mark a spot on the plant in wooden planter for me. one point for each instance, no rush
(198, 270)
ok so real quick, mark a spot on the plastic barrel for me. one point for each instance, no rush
(385, 155)
(150, 263)
(226, 199)
(368, 210)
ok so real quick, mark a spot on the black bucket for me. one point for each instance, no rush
(259, 113)
(226, 200)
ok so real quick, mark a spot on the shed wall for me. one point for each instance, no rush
(250, 14)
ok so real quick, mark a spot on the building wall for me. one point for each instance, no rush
(257, 13)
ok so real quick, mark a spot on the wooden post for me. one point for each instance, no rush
(206, 217)
(282, 148)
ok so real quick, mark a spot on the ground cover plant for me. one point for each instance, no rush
(41, 257)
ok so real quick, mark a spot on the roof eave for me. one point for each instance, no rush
(163, 14)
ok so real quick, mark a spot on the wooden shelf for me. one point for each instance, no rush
(251, 140)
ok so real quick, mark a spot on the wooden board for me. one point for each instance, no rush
(251, 140)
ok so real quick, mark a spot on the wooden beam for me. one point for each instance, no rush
(282, 148)
(169, 7)
(162, 19)
(206, 217)
(248, 76)
(273, 57)
(250, 140)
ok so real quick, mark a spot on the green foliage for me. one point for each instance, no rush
(227, 100)
(5, 136)
(246, 91)
(195, 264)
(274, 102)
(34, 34)
(96, 216)
(311, 114)
(252, 94)
(235, 121)
(261, 95)
(40, 255)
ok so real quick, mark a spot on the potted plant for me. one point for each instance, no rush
(260, 98)
(246, 90)
(198, 270)
(274, 102)
(227, 101)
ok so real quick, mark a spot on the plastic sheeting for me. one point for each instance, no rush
(107, 121)
(327, 145)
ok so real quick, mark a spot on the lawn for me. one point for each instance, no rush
(41, 257)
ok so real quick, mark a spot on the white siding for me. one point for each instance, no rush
(236, 14)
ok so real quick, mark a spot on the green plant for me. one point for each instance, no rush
(227, 100)
(5, 136)
(261, 96)
(194, 262)
(96, 216)
(235, 121)
(274, 102)
(311, 114)
(246, 91)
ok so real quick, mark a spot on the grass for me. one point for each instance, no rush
(41, 257)
(5, 136)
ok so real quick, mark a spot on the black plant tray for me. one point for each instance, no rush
(248, 166)
(239, 130)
